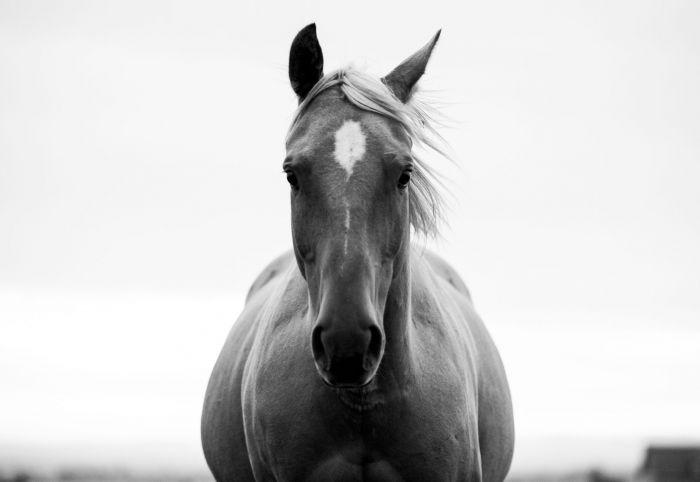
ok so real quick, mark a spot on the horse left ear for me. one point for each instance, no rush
(305, 61)
(403, 78)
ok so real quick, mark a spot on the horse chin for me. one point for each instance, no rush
(346, 385)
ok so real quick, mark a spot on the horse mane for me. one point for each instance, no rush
(416, 117)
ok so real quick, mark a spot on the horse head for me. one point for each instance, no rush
(351, 171)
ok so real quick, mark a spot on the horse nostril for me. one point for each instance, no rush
(348, 369)
(346, 355)
(317, 348)
(374, 350)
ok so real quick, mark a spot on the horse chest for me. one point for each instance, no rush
(336, 435)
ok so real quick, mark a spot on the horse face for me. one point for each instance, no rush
(348, 171)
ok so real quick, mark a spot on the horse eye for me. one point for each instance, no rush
(292, 180)
(404, 179)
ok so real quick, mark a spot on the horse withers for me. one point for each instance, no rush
(358, 356)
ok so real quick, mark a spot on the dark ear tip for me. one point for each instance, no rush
(306, 36)
(310, 29)
(305, 61)
(436, 37)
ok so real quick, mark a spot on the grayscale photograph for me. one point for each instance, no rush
(371, 241)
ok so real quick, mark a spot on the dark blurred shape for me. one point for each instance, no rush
(80, 474)
(594, 475)
(102, 475)
(670, 464)
(598, 476)
(17, 477)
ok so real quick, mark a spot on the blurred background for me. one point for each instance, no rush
(141, 191)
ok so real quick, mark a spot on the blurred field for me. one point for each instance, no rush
(97, 475)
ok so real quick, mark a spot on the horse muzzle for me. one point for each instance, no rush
(347, 357)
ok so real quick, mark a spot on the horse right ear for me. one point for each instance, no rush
(305, 61)
(402, 80)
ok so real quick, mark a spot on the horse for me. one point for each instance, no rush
(358, 354)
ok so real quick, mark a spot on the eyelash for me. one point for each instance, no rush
(292, 179)
(405, 178)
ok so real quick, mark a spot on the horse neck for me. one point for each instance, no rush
(397, 315)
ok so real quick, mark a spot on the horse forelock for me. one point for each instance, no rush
(416, 117)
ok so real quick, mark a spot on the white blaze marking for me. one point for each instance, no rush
(349, 148)
(347, 230)
(349, 145)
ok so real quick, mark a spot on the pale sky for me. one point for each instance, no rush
(141, 191)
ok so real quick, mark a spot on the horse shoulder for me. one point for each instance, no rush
(495, 415)
(223, 436)
(445, 271)
(270, 272)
